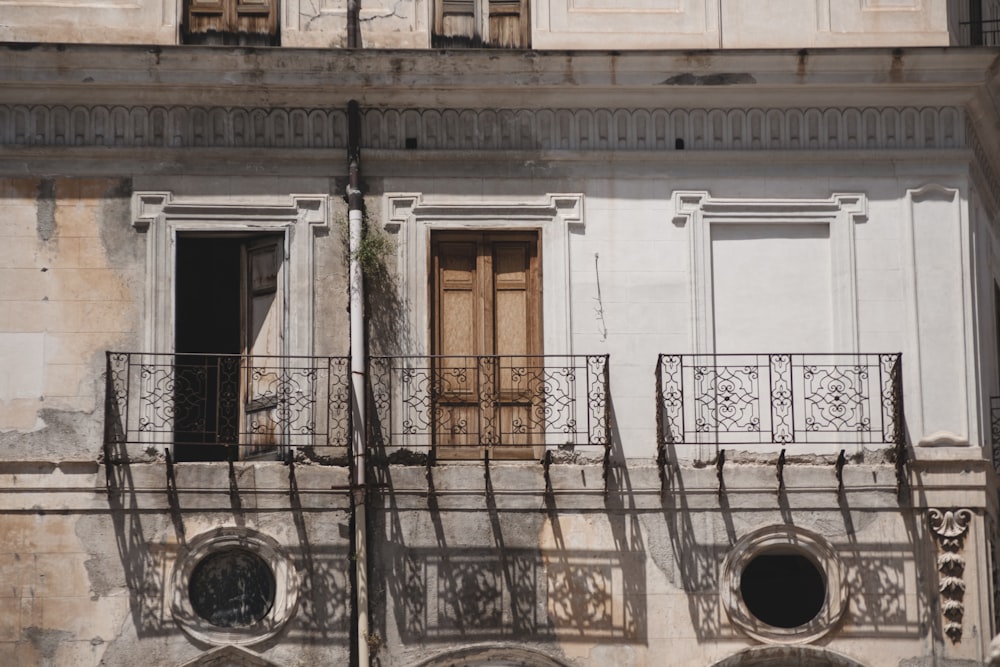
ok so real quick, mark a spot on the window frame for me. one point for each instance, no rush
(411, 216)
(161, 217)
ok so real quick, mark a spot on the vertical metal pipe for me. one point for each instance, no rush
(359, 427)
(353, 27)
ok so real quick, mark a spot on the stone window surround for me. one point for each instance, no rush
(285, 595)
(699, 210)
(162, 216)
(785, 540)
(411, 216)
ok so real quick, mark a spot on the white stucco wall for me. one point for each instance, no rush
(556, 24)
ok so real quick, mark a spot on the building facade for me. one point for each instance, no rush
(452, 332)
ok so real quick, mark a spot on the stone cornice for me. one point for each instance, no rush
(487, 130)
(128, 75)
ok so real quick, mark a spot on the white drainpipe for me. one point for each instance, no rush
(358, 415)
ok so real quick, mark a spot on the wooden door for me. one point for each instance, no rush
(262, 374)
(486, 333)
(491, 23)
(236, 22)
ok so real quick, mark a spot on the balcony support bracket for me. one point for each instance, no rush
(607, 469)
(781, 472)
(546, 464)
(720, 462)
(841, 462)
(661, 464)
(488, 483)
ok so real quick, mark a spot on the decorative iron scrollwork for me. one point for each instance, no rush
(227, 400)
(778, 398)
(489, 401)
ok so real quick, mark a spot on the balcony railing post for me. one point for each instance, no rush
(671, 392)
(488, 384)
(782, 398)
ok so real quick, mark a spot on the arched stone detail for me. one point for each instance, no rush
(229, 656)
(492, 655)
(788, 656)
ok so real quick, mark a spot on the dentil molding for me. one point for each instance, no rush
(598, 129)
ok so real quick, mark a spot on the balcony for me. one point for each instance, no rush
(798, 401)
(225, 406)
(471, 407)
(978, 22)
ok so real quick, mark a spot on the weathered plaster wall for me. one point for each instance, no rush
(71, 289)
(556, 24)
(630, 576)
(104, 21)
(87, 568)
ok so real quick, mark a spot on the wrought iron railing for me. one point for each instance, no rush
(977, 21)
(980, 33)
(250, 404)
(466, 405)
(785, 399)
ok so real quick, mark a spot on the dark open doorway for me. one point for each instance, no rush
(207, 326)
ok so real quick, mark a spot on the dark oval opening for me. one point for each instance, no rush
(783, 590)
(232, 588)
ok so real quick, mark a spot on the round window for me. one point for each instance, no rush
(783, 590)
(784, 584)
(232, 588)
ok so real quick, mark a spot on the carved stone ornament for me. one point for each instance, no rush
(950, 527)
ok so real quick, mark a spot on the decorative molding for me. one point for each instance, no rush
(161, 215)
(987, 162)
(487, 129)
(793, 540)
(172, 127)
(565, 209)
(147, 207)
(412, 216)
(229, 656)
(286, 579)
(698, 210)
(950, 527)
(660, 129)
(943, 439)
(938, 325)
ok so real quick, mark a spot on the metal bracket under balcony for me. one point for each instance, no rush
(488, 407)
(802, 403)
(225, 406)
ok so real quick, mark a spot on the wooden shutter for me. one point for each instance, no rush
(486, 321)
(496, 23)
(262, 379)
(508, 23)
(244, 22)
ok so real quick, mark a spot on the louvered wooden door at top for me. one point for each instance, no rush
(236, 22)
(486, 329)
(492, 23)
